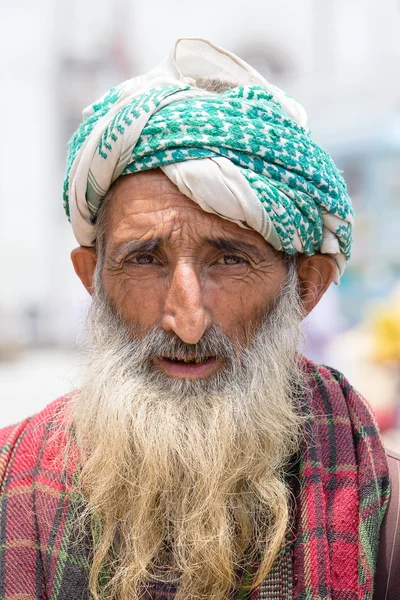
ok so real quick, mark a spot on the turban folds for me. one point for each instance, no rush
(245, 154)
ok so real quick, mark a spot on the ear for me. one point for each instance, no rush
(316, 274)
(84, 260)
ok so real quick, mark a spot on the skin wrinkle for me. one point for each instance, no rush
(157, 244)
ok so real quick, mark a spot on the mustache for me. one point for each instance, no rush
(214, 343)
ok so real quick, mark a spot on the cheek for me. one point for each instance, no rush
(138, 302)
(238, 307)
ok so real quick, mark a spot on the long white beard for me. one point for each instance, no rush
(188, 477)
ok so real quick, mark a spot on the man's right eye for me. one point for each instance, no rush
(143, 259)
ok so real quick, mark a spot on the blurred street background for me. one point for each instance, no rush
(339, 58)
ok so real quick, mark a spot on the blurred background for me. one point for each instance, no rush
(340, 59)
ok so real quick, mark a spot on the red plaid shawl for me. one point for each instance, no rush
(342, 492)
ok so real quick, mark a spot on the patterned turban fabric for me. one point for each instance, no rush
(245, 154)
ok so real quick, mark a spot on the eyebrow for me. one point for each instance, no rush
(230, 245)
(152, 244)
(136, 245)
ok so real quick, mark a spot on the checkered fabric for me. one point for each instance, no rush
(341, 494)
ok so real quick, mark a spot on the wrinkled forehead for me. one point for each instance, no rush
(148, 204)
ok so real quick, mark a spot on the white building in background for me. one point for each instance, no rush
(340, 59)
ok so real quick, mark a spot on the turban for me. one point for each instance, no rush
(245, 154)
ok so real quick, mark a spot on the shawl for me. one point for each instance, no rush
(245, 154)
(341, 497)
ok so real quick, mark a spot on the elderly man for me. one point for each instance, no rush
(203, 457)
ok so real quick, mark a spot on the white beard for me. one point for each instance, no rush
(188, 475)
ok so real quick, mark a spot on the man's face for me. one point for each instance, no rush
(169, 264)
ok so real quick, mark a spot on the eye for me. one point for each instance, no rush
(233, 259)
(142, 259)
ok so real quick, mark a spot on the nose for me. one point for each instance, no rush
(184, 310)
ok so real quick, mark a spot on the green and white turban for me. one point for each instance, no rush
(245, 154)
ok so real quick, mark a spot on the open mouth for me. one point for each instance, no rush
(189, 361)
(190, 367)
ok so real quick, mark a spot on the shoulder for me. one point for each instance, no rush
(21, 444)
(336, 391)
(338, 407)
(327, 375)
